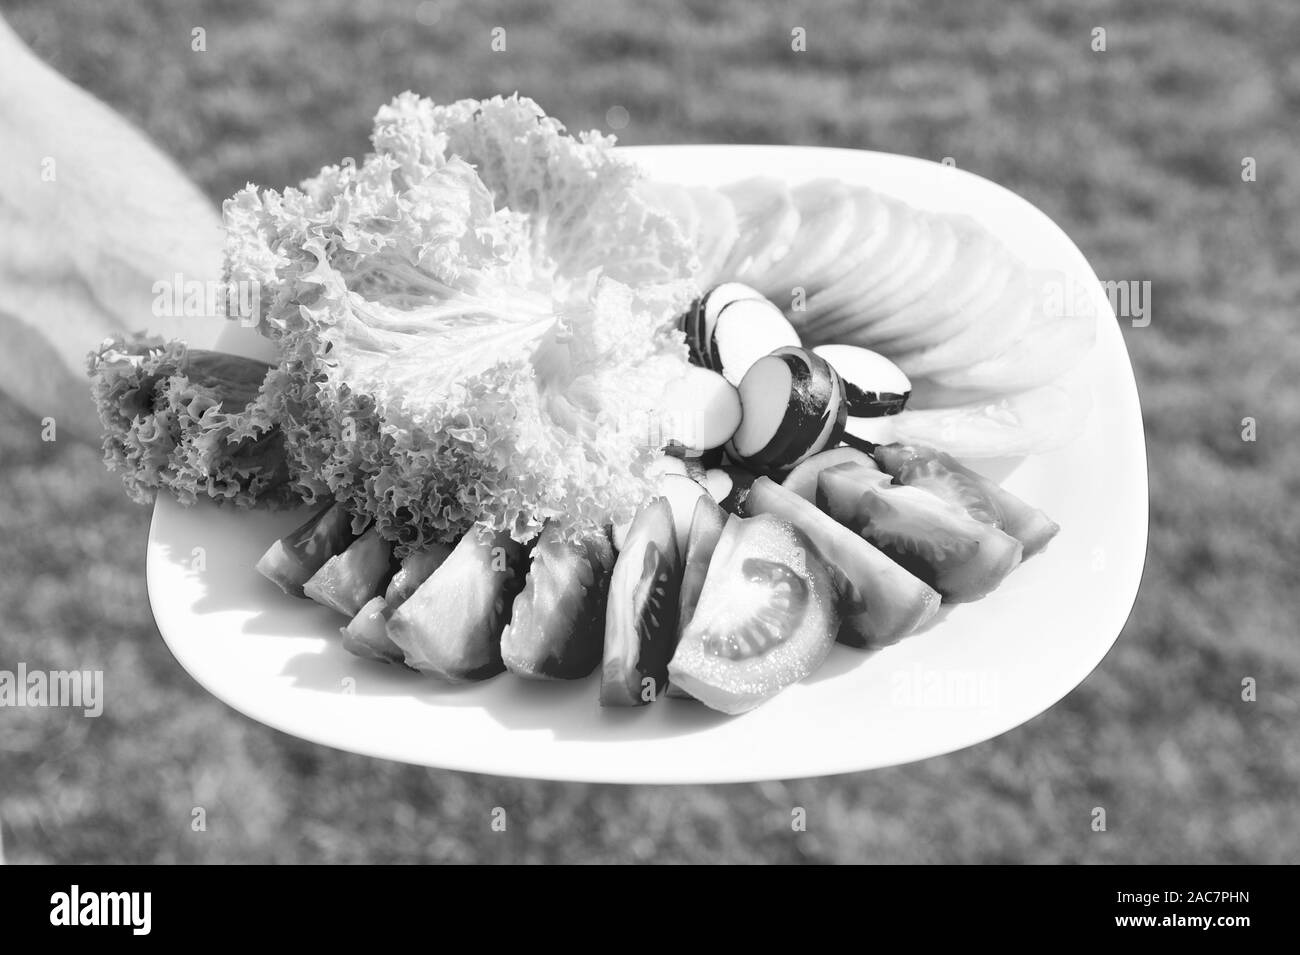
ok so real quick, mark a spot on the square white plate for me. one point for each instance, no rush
(980, 670)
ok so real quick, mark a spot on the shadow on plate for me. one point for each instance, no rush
(565, 709)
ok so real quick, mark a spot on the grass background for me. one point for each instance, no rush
(1136, 151)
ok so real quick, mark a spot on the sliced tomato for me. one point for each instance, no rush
(557, 625)
(765, 619)
(641, 615)
(937, 541)
(451, 626)
(880, 602)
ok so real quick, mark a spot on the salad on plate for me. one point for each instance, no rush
(545, 416)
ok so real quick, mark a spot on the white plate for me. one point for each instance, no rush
(981, 670)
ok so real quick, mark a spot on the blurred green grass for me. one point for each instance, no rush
(1136, 152)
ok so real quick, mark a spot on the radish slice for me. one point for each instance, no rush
(765, 398)
(700, 412)
(701, 318)
(745, 331)
(792, 404)
(873, 385)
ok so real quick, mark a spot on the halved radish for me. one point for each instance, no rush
(873, 385)
(792, 406)
(700, 412)
(701, 317)
(746, 330)
(731, 326)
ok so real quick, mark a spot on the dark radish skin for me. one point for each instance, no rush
(873, 385)
(942, 474)
(641, 614)
(739, 480)
(880, 602)
(792, 406)
(292, 560)
(701, 318)
(743, 330)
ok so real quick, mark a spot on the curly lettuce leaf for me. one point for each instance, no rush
(187, 422)
(466, 343)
